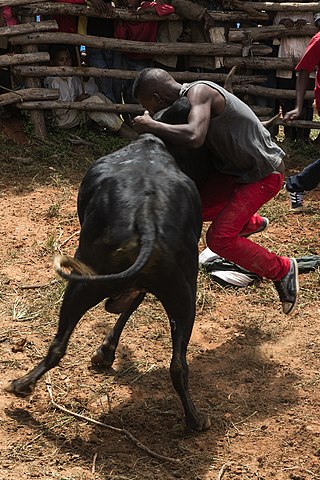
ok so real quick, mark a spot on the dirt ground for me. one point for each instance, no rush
(254, 370)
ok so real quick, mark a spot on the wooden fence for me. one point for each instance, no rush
(245, 48)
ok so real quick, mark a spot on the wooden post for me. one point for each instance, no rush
(37, 117)
(46, 71)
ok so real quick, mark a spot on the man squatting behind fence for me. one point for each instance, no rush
(249, 164)
(71, 89)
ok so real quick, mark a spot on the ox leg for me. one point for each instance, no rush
(78, 298)
(105, 354)
(181, 312)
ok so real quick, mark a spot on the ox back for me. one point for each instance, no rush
(140, 222)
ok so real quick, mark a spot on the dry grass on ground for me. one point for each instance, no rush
(254, 370)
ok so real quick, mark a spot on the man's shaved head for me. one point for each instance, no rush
(150, 80)
(155, 89)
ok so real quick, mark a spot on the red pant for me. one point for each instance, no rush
(232, 208)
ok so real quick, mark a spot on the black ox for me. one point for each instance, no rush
(140, 222)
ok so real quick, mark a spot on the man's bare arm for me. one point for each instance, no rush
(301, 88)
(204, 102)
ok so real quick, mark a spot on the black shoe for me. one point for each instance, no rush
(296, 201)
(288, 288)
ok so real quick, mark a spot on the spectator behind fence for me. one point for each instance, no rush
(292, 46)
(201, 27)
(309, 178)
(140, 31)
(7, 79)
(197, 26)
(72, 89)
(100, 57)
(67, 23)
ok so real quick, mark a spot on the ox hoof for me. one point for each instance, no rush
(97, 358)
(199, 423)
(18, 389)
(102, 360)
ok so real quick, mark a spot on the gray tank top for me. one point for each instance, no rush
(241, 145)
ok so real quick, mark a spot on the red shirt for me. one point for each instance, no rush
(67, 23)
(311, 60)
(142, 31)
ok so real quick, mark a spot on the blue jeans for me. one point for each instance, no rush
(100, 58)
(308, 179)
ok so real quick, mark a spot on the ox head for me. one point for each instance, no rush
(195, 163)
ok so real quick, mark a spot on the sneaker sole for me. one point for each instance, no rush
(296, 274)
(298, 210)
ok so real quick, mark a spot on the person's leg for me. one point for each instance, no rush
(100, 58)
(109, 120)
(232, 209)
(224, 235)
(306, 180)
(105, 119)
(215, 195)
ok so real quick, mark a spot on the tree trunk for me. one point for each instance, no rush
(285, 6)
(261, 111)
(29, 27)
(20, 96)
(37, 118)
(135, 109)
(256, 90)
(152, 48)
(16, 3)
(73, 9)
(262, 63)
(43, 71)
(23, 58)
(271, 31)
(98, 107)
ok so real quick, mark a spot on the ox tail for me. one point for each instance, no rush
(84, 273)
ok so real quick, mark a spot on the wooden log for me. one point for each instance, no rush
(26, 94)
(257, 90)
(16, 3)
(302, 124)
(97, 107)
(240, 5)
(298, 123)
(44, 71)
(261, 111)
(177, 48)
(285, 6)
(23, 58)
(37, 118)
(261, 63)
(270, 31)
(29, 27)
(129, 108)
(46, 8)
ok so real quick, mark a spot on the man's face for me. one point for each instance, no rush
(153, 103)
(63, 59)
